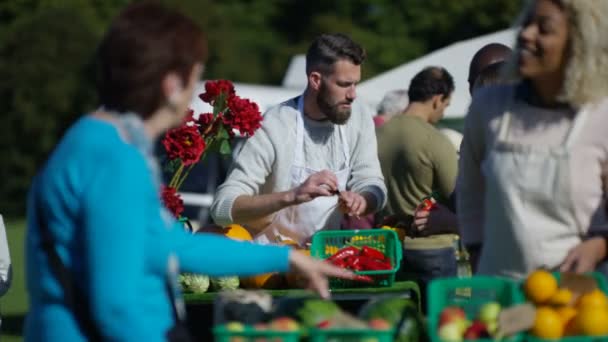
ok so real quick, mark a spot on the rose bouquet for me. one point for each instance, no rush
(188, 144)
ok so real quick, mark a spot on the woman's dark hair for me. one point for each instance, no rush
(144, 43)
(429, 82)
(327, 49)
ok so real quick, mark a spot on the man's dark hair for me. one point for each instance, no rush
(143, 44)
(490, 75)
(429, 82)
(327, 49)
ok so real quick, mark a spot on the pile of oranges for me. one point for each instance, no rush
(560, 312)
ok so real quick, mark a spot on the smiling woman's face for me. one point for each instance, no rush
(543, 41)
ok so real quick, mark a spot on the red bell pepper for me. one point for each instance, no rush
(344, 253)
(372, 253)
(369, 264)
(363, 279)
(428, 204)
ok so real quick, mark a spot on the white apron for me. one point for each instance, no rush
(300, 222)
(529, 216)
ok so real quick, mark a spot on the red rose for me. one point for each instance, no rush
(213, 89)
(186, 143)
(209, 126)
(243, 115)
(189, 117)
(172, 201)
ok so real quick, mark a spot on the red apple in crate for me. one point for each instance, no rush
(450, 332)
(325, 324)
(476, 330)
(450, 314)
(260, 326)
(379, 324)
(284, 324)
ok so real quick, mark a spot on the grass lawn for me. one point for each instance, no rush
(13, 305)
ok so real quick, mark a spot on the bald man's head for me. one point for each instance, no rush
(489, 54)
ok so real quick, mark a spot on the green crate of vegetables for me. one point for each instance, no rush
(471, 315)
(374, 254)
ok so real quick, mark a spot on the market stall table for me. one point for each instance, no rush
(200, 306)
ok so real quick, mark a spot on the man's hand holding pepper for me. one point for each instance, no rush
(438, 219)
(352, 203)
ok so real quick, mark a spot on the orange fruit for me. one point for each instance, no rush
(547, 324)
(593, 299)
(566, 313)
(237, 232)
(592, 321)
(561, 297)
(540, 286)
(263, 281)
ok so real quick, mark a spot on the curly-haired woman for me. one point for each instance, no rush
(534, 160)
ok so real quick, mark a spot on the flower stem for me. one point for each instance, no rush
(181, 181)
(176, 176)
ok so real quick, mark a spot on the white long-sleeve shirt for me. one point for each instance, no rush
(263, 164)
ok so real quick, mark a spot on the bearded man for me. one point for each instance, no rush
(314, 158)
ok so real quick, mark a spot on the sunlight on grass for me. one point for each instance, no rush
(13, 305)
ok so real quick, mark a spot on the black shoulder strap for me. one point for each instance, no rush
(73, 297)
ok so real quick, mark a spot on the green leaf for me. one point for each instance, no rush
(225, 147)
(222, 133)
(172, 165)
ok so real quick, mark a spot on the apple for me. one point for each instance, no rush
(235, 326)
(476, 330)
(325, 324)
(450, 332)
(379, 324)
(260, 326)
(284, 324)
(489, 312)
(492, 327)
(451, 313)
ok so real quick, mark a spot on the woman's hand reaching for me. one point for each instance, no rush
(317, 272)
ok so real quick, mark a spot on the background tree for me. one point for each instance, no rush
(46, 50)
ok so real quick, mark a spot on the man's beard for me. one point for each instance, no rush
(332, 111)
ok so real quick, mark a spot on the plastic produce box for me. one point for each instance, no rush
(328, 242)
(470, 294)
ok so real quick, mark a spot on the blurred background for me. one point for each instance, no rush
(47, 73)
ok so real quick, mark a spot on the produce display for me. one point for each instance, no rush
(563, 311)
(294, 319)
(455, 326)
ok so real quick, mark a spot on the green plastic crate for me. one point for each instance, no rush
(325, 243)
(351, 335)
(221, 334)
(470, 294)
(603, 286)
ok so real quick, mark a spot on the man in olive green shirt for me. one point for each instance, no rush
(417, 160)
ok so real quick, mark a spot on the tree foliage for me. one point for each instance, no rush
(46, 49)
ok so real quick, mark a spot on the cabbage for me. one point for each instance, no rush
(193, 282)
(225, 283)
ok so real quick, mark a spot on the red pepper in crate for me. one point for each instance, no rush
(372, 253)
(343, 254)
(363, 279)
(368, 264)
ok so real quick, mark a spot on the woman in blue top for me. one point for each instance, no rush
(98, 196)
